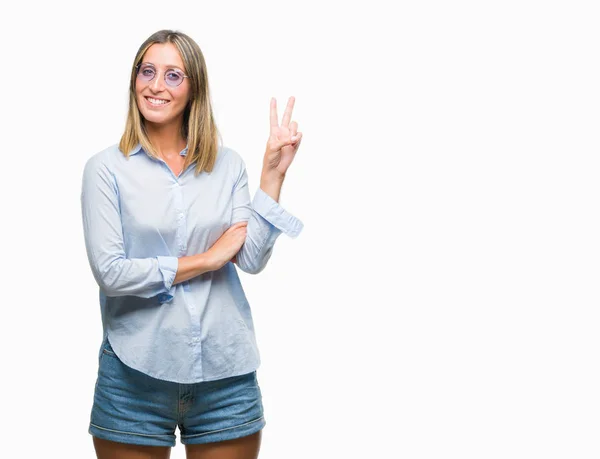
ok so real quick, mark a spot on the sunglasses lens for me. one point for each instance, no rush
(146, 72)
(173, 78)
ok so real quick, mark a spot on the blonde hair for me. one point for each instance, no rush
(199, 127)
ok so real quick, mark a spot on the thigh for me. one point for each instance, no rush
(106, 449)
(239, 448)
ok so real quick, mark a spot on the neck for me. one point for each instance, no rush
(166, 139)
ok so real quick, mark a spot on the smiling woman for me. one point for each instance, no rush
(167, 218)
(169, 93)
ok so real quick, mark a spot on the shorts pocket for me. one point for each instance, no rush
(107, 350)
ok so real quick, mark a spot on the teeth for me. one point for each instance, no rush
(157, 101)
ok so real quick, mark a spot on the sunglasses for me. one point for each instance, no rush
(147, 72)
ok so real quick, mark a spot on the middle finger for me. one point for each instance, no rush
(287, 115)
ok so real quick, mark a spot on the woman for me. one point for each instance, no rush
(166, 214)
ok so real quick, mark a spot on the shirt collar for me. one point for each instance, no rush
(138, 148)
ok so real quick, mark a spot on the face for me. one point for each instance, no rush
(158, 102)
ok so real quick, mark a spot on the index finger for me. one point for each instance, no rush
(274, 122)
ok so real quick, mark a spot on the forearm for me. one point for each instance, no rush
(271, 184)
(192, 266)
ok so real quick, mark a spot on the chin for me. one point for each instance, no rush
(152, 118)
(157, 118)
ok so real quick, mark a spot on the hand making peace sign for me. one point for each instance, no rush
(283, 142)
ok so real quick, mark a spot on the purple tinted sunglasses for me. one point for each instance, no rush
(147, 72)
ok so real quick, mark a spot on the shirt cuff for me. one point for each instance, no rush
(272, 211)
(168, 269)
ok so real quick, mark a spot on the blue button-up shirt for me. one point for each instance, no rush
(138, 218)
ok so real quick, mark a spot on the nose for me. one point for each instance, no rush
(158, 82)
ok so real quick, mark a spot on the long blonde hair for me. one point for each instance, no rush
(199, 127)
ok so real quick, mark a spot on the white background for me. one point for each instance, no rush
(442, 300)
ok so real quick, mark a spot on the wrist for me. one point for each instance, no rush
(271, 177)
(208, 260)
(271, 187)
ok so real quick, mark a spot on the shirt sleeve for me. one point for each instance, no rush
(266, 218)
(116, 274)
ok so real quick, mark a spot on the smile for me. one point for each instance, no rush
(156, 102)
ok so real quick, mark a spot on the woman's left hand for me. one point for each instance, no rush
(283, 142)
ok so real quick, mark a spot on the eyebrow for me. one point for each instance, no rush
(166, 66)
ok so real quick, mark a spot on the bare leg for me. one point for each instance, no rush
(239, 448)
(106, 449)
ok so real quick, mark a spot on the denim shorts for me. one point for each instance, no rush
(132, 407)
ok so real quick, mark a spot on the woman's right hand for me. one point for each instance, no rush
(228, 245)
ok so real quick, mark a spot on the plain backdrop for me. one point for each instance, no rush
(442, 300)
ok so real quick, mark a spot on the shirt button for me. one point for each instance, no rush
(163, 297)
